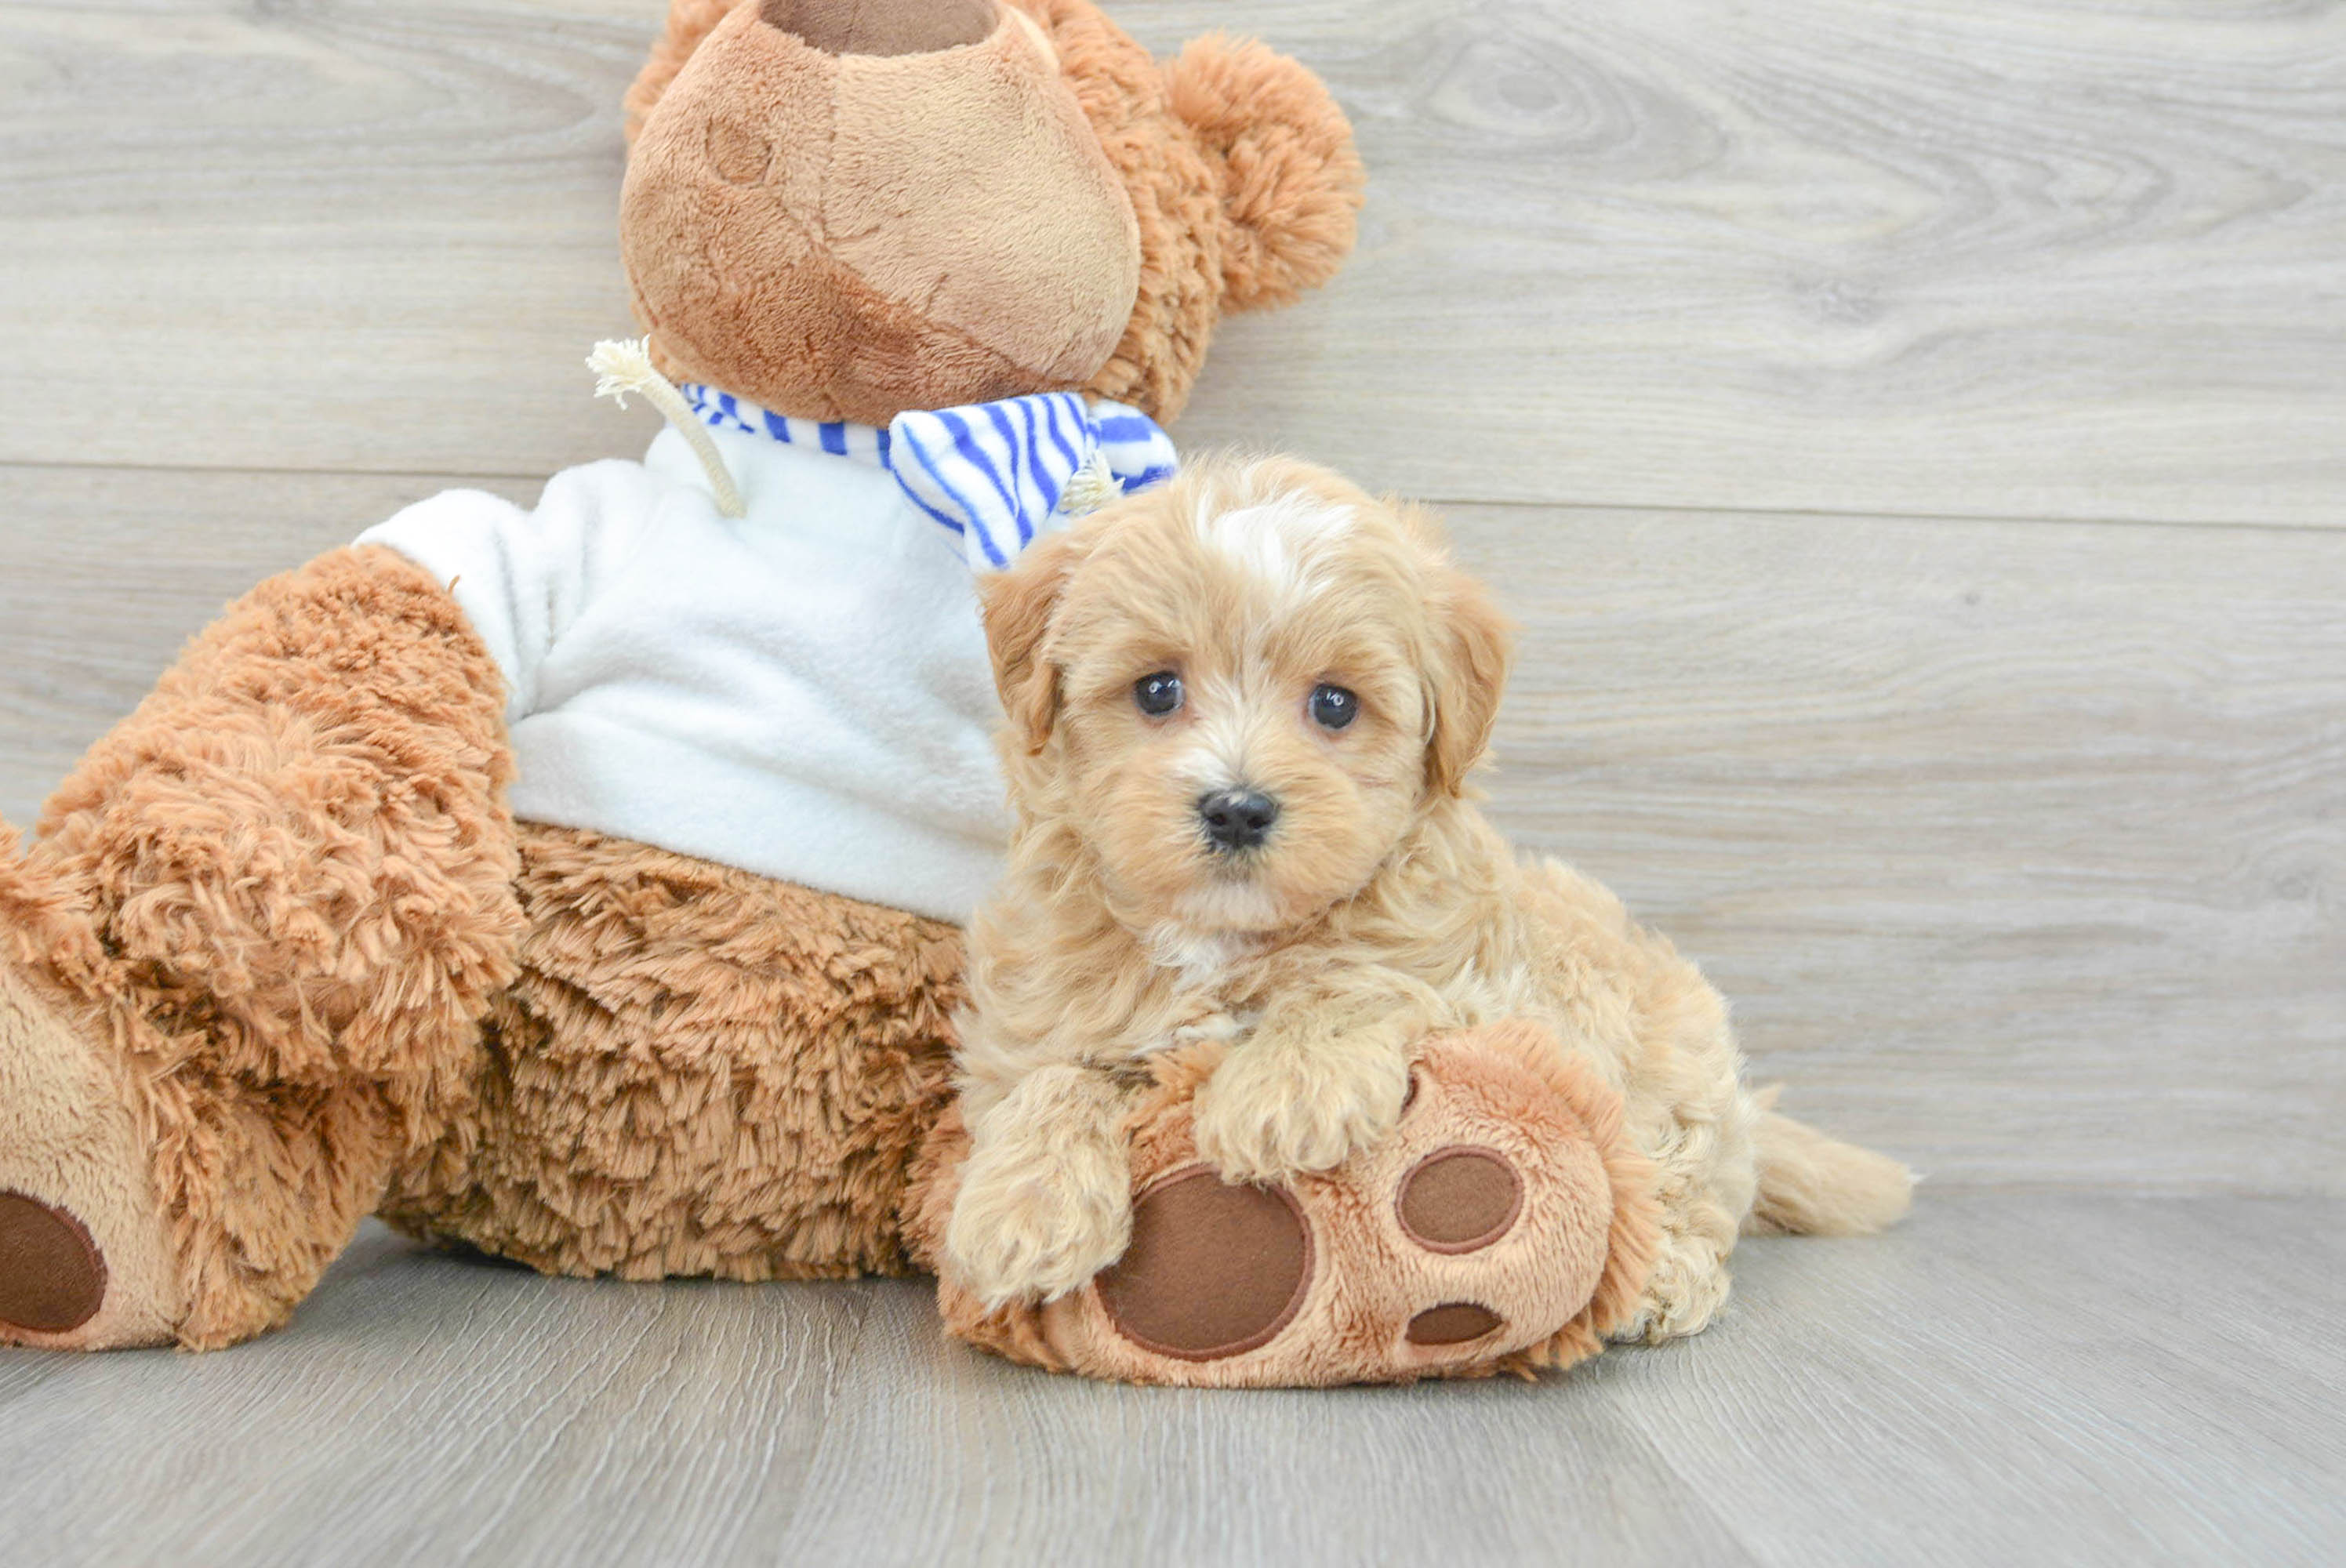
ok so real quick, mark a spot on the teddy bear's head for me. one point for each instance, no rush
(843, 209)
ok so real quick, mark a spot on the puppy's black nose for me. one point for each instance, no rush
(1237, 818)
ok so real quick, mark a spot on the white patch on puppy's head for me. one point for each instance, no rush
(1273, 541)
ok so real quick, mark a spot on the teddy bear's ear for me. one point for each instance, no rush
(1291, 176)
(689, 22)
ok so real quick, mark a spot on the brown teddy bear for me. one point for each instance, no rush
(581, 883)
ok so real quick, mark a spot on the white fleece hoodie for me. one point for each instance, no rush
(802, 692)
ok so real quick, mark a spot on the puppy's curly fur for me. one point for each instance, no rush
(1263, 628)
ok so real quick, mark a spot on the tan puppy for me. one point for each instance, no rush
(1244, 708)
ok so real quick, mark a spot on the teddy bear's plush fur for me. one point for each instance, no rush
(279, 957)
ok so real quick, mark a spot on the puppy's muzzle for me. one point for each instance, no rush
(1237, 819)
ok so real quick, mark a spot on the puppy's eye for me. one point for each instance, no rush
(1332, 707)
(1157, 694)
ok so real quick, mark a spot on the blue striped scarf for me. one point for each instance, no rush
(992, 473)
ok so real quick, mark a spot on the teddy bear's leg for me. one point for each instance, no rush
(1506, 1226)
(247, 959)
(87, 1261)
(700, 1071)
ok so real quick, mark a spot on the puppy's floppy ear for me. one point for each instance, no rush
(1018, 605)
(1291, 178)
(1466, 663)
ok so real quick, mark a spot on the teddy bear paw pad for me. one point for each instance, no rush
(1459, 1200)
(1452, 1323)
(52, 1275)
(1214, 1270)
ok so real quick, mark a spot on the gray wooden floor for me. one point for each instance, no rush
(2054, 1377)
(1914, 438)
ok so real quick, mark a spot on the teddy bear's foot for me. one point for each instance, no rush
(86, 1262)
(1505, 1226)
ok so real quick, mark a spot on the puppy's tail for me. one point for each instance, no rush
(1811, 1185)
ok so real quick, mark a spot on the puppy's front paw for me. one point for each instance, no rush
(1037, 1227)
(1684, 1291)
(1271, 1112)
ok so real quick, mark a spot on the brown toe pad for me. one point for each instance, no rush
(1213, 1270)
(1460, 1199)
(1452, 1323)
(52, 1275)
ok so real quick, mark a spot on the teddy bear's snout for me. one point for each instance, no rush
(881, 26)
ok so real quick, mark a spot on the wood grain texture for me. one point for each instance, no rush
(2020, 847)
(2013, 1379)
(2002, 257)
